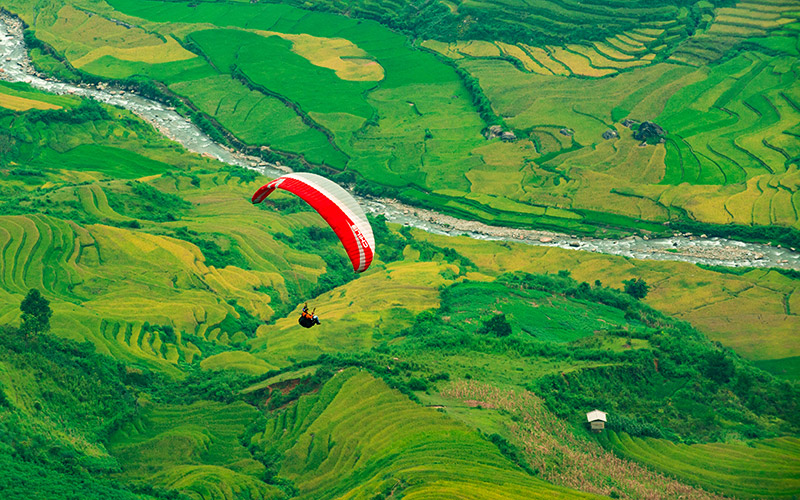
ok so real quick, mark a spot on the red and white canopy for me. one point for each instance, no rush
(336, 206)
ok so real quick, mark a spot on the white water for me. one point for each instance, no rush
(16, 67)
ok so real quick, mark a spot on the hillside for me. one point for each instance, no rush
(173, 367)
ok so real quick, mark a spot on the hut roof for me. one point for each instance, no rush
(596, 415)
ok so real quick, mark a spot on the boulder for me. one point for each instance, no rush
(494, 131)
(610, 134)
(647, 131)
(508, 136)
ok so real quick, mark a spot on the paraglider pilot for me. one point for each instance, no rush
(308, 319)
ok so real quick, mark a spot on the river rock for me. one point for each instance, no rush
(545, 239)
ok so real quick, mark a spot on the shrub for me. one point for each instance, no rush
(497, 325)
(637, 288)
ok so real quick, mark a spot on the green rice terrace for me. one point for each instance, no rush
(149, 338)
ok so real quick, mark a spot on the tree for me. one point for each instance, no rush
(497, 325)
(637, 288)
(36, 313)
(718, 367)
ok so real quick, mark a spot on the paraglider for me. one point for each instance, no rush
(308, 319)
(336, 206)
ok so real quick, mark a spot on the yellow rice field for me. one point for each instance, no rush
(17, 103)
(348, 60)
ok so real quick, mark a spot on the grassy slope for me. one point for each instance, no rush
(357, 438)
(193, 448)
(559, 454)
(59, 401)
(766, 468)
(20, 97)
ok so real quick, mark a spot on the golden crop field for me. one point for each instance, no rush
(348, 60)
(168, 51)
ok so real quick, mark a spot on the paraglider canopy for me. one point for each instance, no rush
(336, 206)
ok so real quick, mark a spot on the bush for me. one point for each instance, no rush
(497, 325)
(637, 288)
(717, 367)
(417, 384)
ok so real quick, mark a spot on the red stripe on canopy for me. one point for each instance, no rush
(355, 244)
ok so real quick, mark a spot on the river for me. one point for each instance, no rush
(15, 66)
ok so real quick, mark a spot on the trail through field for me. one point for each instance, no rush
(15, 66)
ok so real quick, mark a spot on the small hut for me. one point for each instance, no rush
(597, 420)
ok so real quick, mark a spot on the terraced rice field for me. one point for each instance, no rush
(195, 449)
(765, 468)
(239, 109)
(69, 262)
(342, 56)
(110, 161)
(238, 361)
(108, 282)
(23, 104)
(730, 153)
(632, 49)
(734, 24)
(358, 437)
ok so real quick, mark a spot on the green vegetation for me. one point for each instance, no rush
(333, 444)
(636, 288)
(677, 384)
(23, 480)
(193, 448)
(58, 402)
(453, 367)
(765, 468)
(36, 313)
